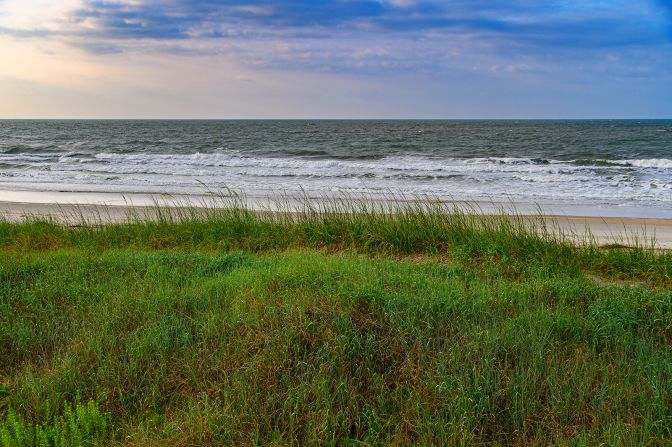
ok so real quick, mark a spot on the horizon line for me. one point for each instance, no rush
(338, 119)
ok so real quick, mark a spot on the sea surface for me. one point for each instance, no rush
(589, 163)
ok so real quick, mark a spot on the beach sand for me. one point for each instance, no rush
(626, 231)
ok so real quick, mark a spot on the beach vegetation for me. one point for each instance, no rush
(416, 324)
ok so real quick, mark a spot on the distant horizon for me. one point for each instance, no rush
(344, 119)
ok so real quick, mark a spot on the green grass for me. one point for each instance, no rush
(418, 327)
(86, 425)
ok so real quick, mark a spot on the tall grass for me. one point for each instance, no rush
(394, 227)
(337, 324)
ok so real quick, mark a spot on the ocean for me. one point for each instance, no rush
(606, 163)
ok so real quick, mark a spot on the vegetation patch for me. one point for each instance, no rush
(235, 331)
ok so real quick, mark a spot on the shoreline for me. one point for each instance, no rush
(605, 229)
(259, 200)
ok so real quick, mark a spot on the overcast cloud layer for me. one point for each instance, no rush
(464, 58)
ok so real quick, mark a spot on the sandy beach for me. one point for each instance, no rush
(606, 230)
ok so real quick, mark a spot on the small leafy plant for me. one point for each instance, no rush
(86, 425)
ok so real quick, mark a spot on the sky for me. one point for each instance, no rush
(336, 59)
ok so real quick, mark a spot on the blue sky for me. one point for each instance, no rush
(341, 58)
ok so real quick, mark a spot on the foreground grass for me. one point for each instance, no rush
(406, 330)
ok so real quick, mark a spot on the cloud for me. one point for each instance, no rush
(520, 20)
(363, 35)
(346, 58)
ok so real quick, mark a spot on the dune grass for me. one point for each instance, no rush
(396, 227)
(418, 325)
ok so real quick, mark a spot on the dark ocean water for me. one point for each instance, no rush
(615, 163)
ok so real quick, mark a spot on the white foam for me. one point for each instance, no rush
(646, 163)
(612, 181)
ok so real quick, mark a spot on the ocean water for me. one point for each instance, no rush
(605, 163)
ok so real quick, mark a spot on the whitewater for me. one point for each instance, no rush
(605, 163)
